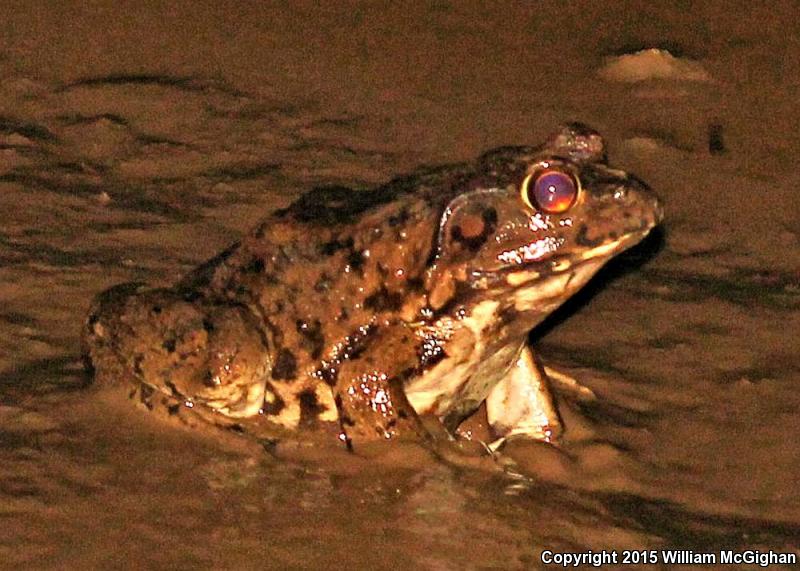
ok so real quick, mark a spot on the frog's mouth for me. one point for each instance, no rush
(566, 266)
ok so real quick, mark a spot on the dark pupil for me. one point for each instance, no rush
(554, 191)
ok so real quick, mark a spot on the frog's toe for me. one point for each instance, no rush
(569, 384)
(233, 380)
(205, 353)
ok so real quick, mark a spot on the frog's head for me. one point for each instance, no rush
(543, 220)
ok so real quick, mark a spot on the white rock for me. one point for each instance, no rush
(652, 64)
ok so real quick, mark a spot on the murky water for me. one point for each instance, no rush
(134, 148)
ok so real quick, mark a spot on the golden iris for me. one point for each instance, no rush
(552, 191)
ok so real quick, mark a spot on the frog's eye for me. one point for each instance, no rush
(552, 191)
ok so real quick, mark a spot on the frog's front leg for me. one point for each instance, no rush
(522, 404)
(369, 393)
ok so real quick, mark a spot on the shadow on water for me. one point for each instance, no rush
(27, 129)
(678, 526)
(185, 83)
(624, 264)
(60, 374)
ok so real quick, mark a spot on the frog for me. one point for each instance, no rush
(386, 311)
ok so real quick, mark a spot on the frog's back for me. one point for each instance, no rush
(334, 230)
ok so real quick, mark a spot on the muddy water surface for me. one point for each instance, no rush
(134, 146)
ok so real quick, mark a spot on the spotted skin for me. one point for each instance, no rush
(369, 308)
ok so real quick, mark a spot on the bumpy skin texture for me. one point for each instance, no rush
(368, 307)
